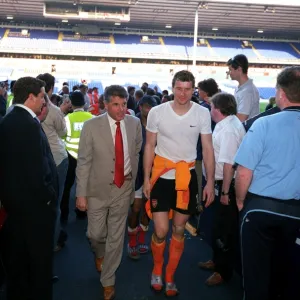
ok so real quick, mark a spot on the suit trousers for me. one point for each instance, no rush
(29, 254)
(225, 234)
(106, 228)
(69, 182)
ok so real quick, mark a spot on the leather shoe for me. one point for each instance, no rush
(109, 292)
(214, 279)
(208, 265)
(98, 263)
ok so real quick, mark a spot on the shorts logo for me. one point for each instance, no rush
(154, 203)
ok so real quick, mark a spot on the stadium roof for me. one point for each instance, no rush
(226, 17)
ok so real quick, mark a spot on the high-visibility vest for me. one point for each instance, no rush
(74, 122)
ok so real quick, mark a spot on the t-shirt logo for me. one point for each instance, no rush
(78, 126)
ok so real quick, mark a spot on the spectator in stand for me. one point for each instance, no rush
(131, 104)
(138, 95)
(83, 89)
(165, 93)
(151, 92)
(272, 102)
(65, 90)
(166, 98)
(246, 94)
(144, 87)
(56, 99)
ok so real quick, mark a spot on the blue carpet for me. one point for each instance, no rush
(79, 279)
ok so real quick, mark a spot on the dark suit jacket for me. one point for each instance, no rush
(28, 176)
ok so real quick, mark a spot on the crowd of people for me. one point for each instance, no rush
(141, 156)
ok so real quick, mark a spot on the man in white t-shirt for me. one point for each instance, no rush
(246, 94)
(227, 136)
(173, 130)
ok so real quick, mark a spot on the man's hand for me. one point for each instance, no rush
(81, 203)
(147, 188)
(225, 200)
(208, 194)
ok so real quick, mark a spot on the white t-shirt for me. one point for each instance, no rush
(227, 137)
(247, 99)
(177, 136)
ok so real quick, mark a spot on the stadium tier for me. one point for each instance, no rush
(117, 45)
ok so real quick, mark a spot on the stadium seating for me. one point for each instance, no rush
(68, 43)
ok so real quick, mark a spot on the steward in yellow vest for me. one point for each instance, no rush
(74, 122)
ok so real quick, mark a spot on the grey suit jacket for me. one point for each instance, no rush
(96, 156)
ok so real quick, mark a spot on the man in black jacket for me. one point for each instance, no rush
(28, 191)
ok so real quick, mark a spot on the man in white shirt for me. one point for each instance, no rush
(173, 130)
(246, 94)
(227, 136)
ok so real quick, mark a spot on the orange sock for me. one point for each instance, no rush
(158, 256)
(175, 252)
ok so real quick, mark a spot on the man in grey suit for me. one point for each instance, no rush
(106, 170)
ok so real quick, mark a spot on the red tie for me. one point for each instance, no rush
(119, 152)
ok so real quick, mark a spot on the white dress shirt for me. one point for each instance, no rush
(26, 108)
(227, 137)
(113, 128)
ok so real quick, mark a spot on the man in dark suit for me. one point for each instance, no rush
(28, 192)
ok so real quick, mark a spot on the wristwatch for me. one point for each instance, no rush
(225, 194)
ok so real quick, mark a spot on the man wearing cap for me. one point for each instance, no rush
(74, 123)
(246, 94)
(136, 231)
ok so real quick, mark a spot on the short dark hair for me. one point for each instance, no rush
(49, 80)
(226, 103)
(184, 76)
(26, 86)
(65, 83)
(75, 87)
(12, 83)
(115, 90)
(150, 92)
(239, 60)
(165, 92)
(209, 86)
(130, 89)
(139, 93)
(289, 81)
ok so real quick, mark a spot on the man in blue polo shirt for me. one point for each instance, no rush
(267, 186)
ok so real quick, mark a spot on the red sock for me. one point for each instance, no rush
(175, 252)
(132, 237)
